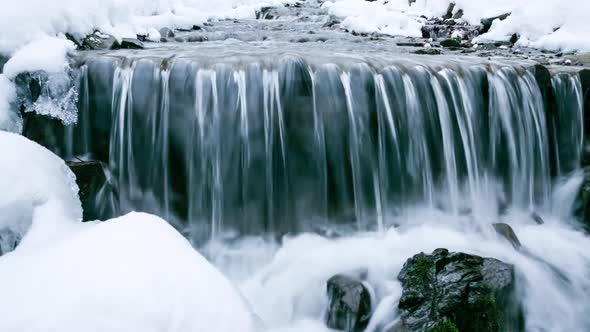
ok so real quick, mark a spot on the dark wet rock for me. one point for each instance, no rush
(99, 41)
(451, 42)
(265, 13)
(585, 80)
(349, 307)
(166, 33)
(331, 22)
(537, 218)
(452, 291)
(76, 38)
(514, 38)
(197, 28)
(508, 233)
(9, 240)
(411, 44)
(94, 187)
(3, 60)
(544, 80)
(486, 23)
(501, 43)
(582, 202)
(428, 51)
(131, 43)
(449, 12)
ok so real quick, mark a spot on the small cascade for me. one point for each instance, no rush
(286, 145)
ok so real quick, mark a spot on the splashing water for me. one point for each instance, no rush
(384, 161)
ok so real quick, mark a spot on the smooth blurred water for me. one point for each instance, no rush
(285, 169)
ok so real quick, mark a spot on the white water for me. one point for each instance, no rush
(286, 283)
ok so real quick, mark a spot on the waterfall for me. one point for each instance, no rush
(290, 145)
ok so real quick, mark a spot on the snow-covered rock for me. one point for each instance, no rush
(133, 273)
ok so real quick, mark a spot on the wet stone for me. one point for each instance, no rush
(453, 291)
(349, 307)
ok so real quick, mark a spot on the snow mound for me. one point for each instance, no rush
(47, 54)
(133, 273)
(24, 21)
(42, 194)
(548, 24)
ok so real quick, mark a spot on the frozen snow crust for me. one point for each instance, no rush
(133, 273)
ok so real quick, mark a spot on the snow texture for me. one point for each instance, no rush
(549, 24)
(133, 273)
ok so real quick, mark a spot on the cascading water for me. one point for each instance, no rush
(258, 146)
(383, 158)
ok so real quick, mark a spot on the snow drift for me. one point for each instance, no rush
(549, 24)
(133, 273)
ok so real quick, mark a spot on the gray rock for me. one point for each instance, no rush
(131, 43)
(76, 38)
(507, 232)
(98, 41)
(349, 306)
(451, 42)
(486, 23)
(166, 33)
(448, 292)
(428, 51)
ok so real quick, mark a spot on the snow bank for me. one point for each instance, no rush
(25, 21)
(134, 273)
(39, 191)
(45, 54)
(9, 120)
(32, 33)
(550, 24)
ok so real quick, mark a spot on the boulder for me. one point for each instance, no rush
(453, 291)
(450, 42)
(131, 43)
(99, 41)
(349, 306)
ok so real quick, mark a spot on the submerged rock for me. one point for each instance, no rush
(452, 291)
(349, 306)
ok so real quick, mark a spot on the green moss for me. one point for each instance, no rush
(421, 270)
(444, 326)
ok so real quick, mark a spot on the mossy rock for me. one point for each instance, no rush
(452, 292)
